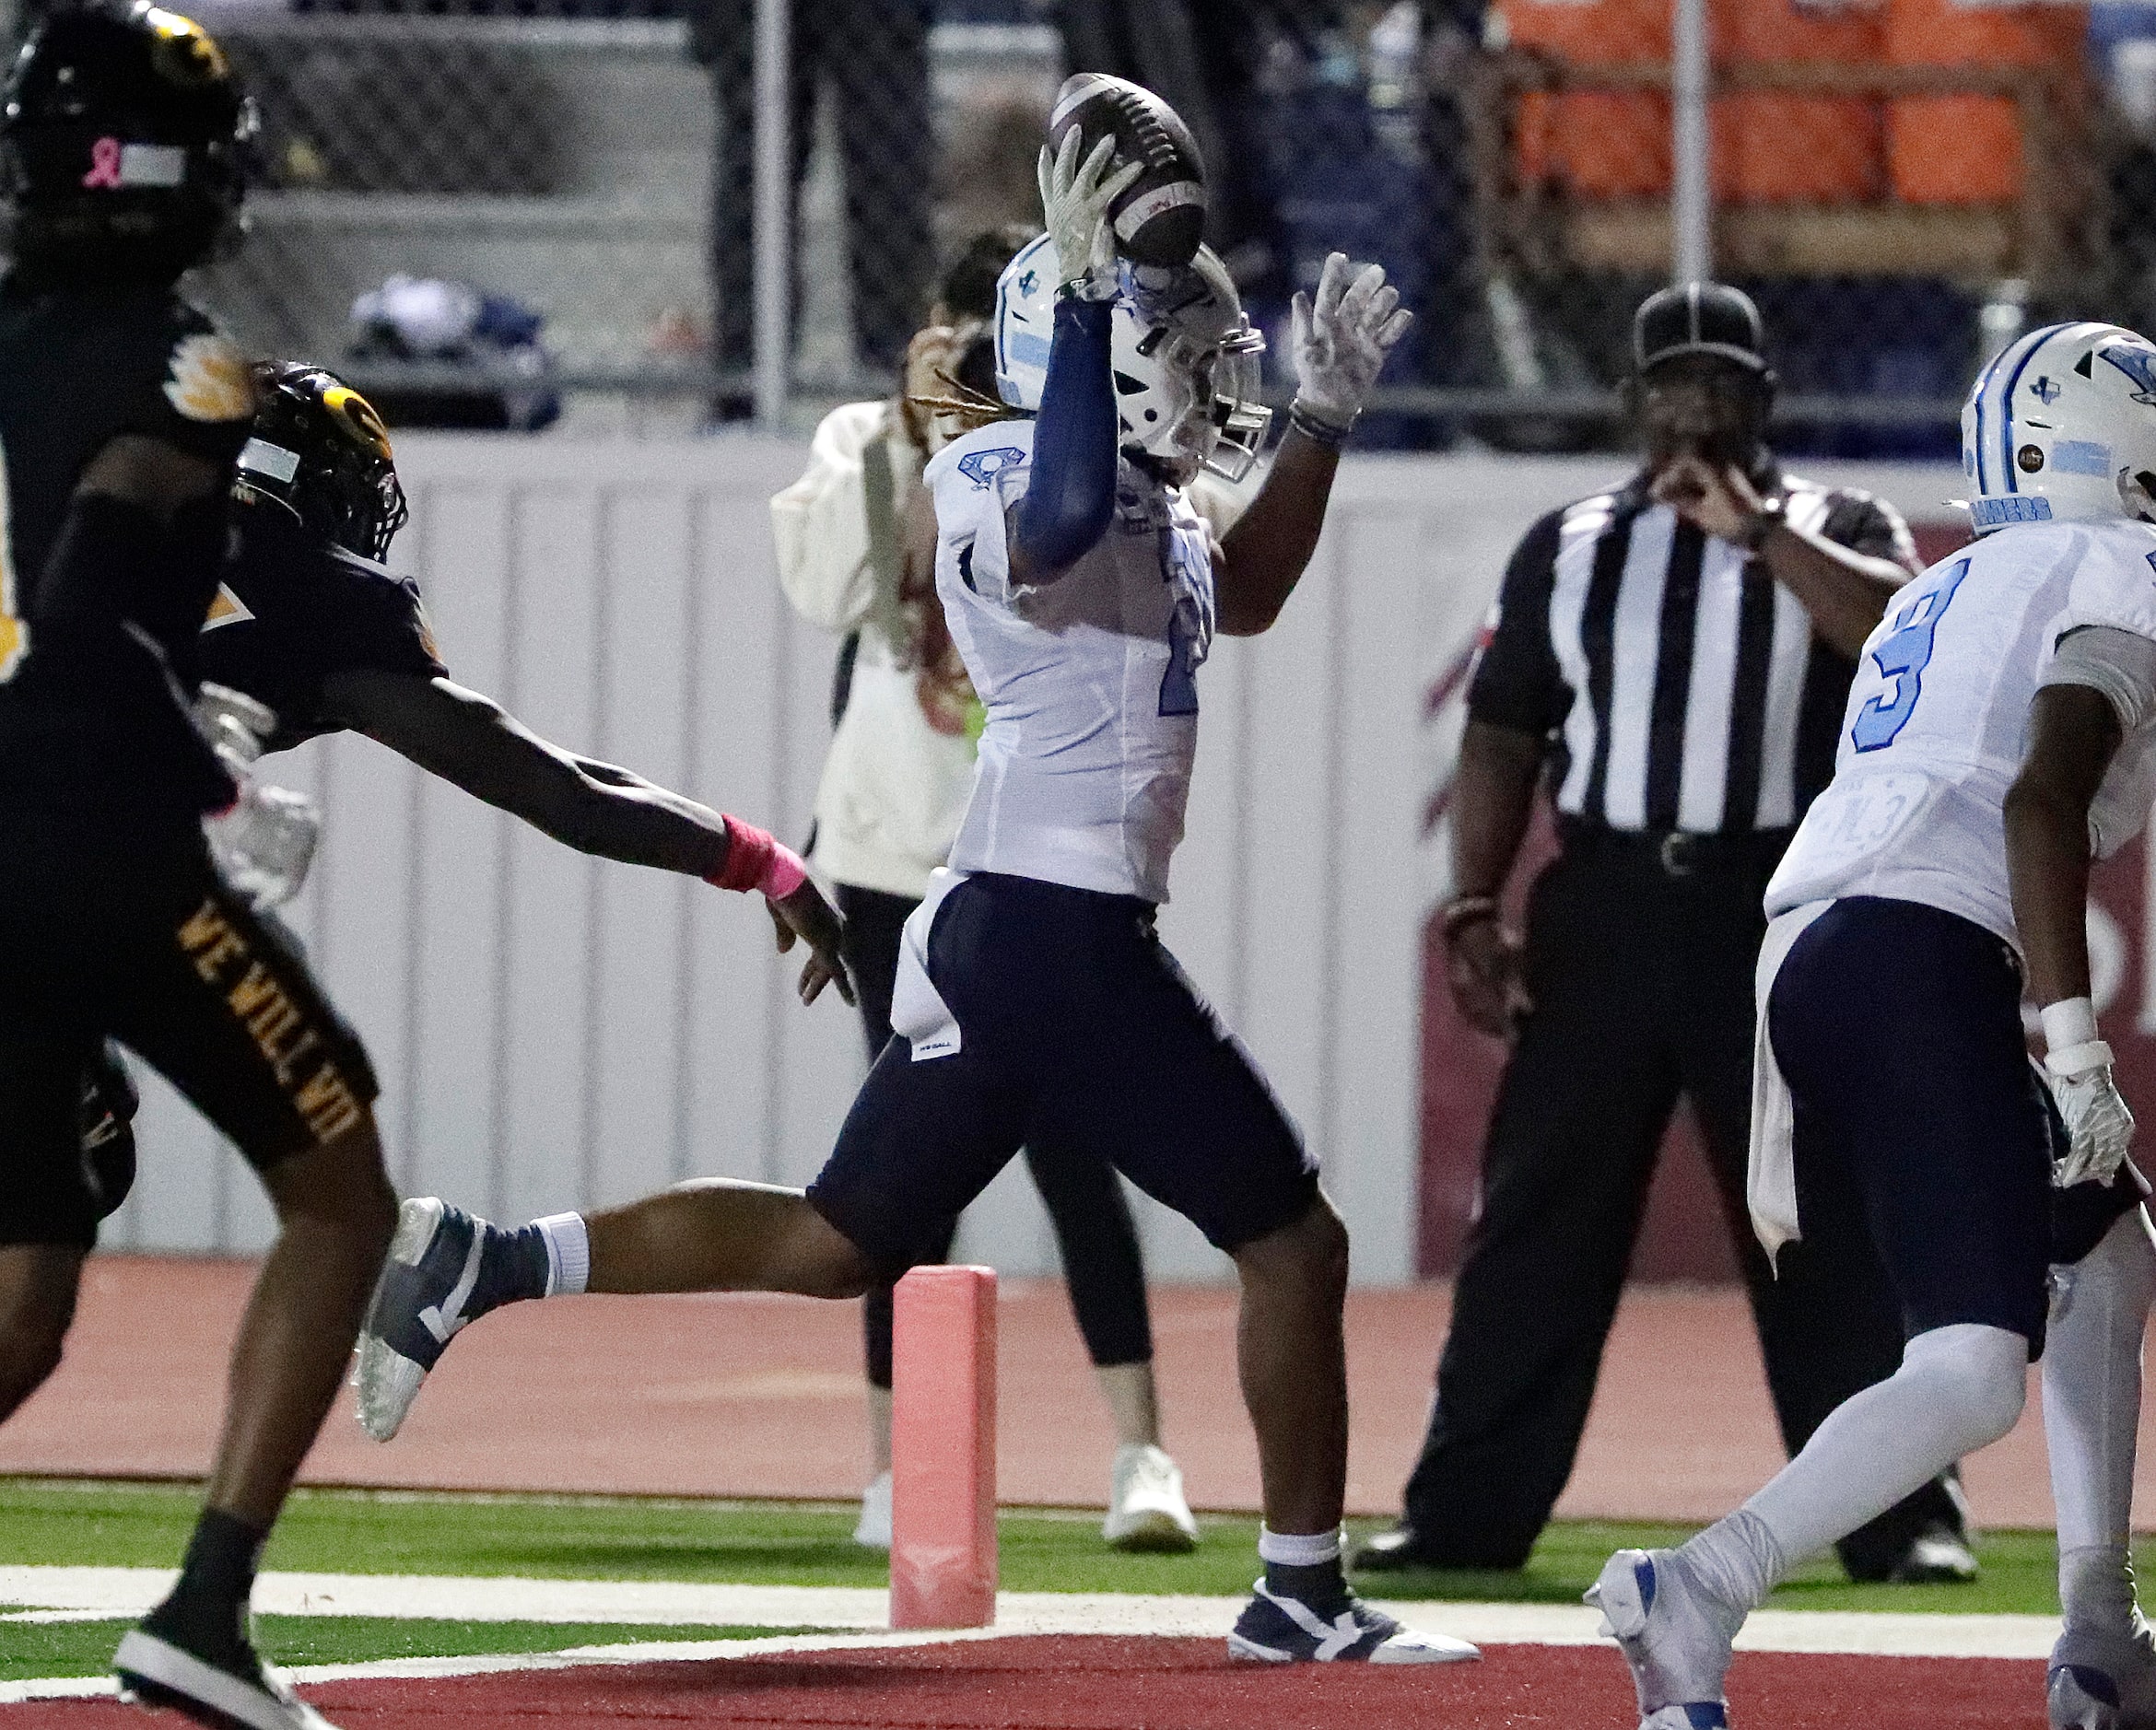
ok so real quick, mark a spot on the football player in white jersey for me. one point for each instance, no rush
(1035, 1003)
(2001, 731)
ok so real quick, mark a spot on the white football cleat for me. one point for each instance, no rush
(238, 1689)
(1276, 1628)
(1146, 1510)
(2104, 1680)
(873, 1530)
(1675, 1636)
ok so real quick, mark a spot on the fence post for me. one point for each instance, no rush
(774, 209)
(1691, 204)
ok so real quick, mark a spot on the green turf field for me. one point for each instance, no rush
(42, 1649)
(775, 1543)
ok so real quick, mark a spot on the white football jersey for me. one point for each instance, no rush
(1090, 682)
(1938, 721)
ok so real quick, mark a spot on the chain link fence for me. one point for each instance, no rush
(1900, 183)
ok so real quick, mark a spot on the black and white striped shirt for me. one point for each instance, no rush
(1681, 686)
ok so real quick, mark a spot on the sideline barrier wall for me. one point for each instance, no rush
(555, 1032)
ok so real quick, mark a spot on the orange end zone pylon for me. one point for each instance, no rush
(944, 1449)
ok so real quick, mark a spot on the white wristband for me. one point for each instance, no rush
(2071, 1021)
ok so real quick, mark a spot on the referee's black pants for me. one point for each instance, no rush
(1642, 984)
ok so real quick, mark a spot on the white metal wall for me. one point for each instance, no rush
(556, 1031)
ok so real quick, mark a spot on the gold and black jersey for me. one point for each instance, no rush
(294, 610)
(92, 710)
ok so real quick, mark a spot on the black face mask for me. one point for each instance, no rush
(1704, 406)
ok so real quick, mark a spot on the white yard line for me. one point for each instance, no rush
(74, 1592)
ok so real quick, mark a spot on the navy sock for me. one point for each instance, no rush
(207, 1607)
(1315, 1584)
(513, 1266)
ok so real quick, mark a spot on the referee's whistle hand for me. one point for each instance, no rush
(1717, 500)
(1482, 967)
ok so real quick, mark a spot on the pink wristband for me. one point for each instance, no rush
(785, 873)
(755, 859)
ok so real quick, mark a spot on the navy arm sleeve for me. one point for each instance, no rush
(1516, 682)
(1070, 496)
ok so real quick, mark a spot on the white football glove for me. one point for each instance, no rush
(1342, 338)
(2099, 1130)
(263, 842)
(1074, 199)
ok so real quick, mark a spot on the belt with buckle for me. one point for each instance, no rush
(1678, 852)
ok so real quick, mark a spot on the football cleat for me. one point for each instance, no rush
(873, 1530)
(1937, 1555)
(2104, 1680)
(1276, 1628)
(1146, 1510)
(445, 1270)
(1675, 1636)
(159, 1668)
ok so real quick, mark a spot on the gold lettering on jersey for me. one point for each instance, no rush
(259, 1001)
(210, 379)
(211, 940)
(328, 1104)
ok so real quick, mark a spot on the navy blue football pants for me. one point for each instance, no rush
(1095, 1233)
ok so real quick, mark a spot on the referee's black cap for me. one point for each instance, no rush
(1698, 318)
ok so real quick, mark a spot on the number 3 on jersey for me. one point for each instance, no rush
(1902, 658)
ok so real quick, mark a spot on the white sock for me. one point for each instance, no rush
(2091, 1411)
(568, 1252)
(1298, 1549)
(1960, 1388)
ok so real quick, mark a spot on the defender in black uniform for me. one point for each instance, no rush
(122, 410)
(309, 622)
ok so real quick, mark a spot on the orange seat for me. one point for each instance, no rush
(1594, 145)
(1968, 149)
(1771, 148)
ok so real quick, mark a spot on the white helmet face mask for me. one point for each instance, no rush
(1184, 360)
(2061, 426)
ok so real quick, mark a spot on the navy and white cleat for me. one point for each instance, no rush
(431, 1289)
(1674, 1635)
(159, 1668)
(2103, 1680)
(1274, 1628)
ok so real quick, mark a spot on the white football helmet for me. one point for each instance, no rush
(2061, 426)
(1184, 357)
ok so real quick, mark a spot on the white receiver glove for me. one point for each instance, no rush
(1074, 201)
(263, 842)
(2099, 1130)
(1342, 337)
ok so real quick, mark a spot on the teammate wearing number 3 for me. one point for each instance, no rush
(2001, 731)
(1035, 1003)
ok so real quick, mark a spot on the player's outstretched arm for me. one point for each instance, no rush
(1342, 336)
(470, 741)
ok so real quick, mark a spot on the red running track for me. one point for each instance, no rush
(761, 1396)
(1095, 1683)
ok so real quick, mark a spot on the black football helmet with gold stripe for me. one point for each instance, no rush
(319, 452)
(129, 142)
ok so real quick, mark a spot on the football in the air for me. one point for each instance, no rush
(1160, 218)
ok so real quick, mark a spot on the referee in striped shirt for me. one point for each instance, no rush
(1671, 660)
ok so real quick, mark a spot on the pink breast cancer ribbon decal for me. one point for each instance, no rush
(104, 165)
